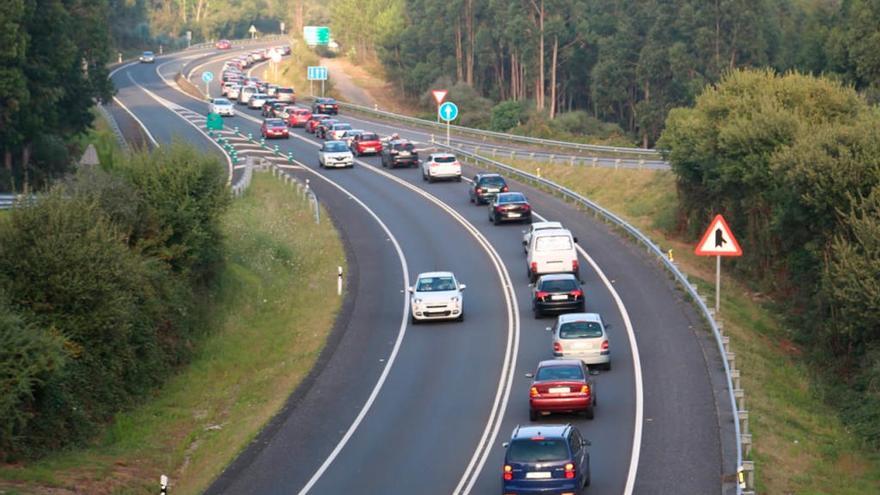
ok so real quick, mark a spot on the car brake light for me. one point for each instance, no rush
(577, 293)
(585, 389)
(574, 265)
(557, 347)
(505, 189)
(604, 345)
(541, 294)
(500, 209)
(478, 190)
(508, 474)
(569, 471)
(534, 267)
(533, 392)
(537, 439)
(526, 207)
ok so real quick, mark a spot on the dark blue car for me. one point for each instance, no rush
(546, 459)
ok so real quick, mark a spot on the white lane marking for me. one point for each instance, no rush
(508, 369)
(122, 105)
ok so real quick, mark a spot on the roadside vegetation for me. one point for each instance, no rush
(255, 334)
(293, 71)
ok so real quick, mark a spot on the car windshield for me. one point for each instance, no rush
(435, 284)
(368, 136)
(147, 54)
(335, 146)
(553, 243)
(492, 181)
(547, 373)
(543, 450)
(341, 127)
(564, 285)
(221, 101)
(444, 159)
(580, 330)
(275, 123)
(512, 198)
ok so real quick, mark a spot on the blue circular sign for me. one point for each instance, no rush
(207, 76)
(448, 111)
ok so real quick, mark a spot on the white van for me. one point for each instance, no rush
(552, 251)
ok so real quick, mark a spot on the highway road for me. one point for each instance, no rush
(396, 408)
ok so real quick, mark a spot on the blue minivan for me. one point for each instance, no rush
(546, 459)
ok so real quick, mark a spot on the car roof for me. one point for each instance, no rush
(438, 155)
(558, 276)
(569, 317)
(551, 431)
(546, 225)
(436, 274)
(552, 232)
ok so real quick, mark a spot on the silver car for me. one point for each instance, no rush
(222, 106)
(437, 296)
(257, 100)
(582, 336)
(335, 154)
(147, 57)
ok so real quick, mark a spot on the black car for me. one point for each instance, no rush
(510, 206)
(266, 111)
(399, 152)
(546, 459)
(326, 106)
(557, 293)
(485, 187)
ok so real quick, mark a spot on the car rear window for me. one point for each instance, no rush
(553, 243)
(435, 284)
(560, 373)
(404, 147)
(275, 122)
(493, 181)
(444, 159)
(580, 330)
(545, 450)
(563, 285)
(342, 127)
(511, 198)
(285, 90)
(367, 136)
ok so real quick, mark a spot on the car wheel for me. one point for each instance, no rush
(588, 413)
(430, 179)
(413, 319)
(537, 312)
(458, 179)
(587, 481)
(494, 219)
(607, 366)
(424, 177)
(533, 415)
(460, 317)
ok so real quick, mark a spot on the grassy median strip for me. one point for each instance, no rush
(268, 320)
(800, 446)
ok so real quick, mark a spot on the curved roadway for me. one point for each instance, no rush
(421, 431)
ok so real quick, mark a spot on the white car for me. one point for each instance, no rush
(257, 100)
(147, 57)
(536, 226)
(222, 106)
(246, 93)
(349, 135)
(582, 336)
(441, 166)
(337, 130)
(437, 296)
(335, 154)
(552, 251)
(233, 92)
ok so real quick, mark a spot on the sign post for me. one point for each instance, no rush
(439, 96)
(718, 241)
(276, 59)
(207, 76)
(316, 73)
(253, 31)
(448, 112)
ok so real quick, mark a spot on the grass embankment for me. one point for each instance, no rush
(293, 71)
(267, 322)
(800, 446)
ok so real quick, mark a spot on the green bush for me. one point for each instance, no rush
(507, 115)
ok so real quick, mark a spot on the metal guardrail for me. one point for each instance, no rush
(745, 469)
(484, 134)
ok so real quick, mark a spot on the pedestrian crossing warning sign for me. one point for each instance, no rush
(718, 240)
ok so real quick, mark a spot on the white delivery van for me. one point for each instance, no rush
(552, 251)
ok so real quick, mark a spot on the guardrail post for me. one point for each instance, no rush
(617, 163)
(163, 485)
(749, 468)
(735, 377)
(743, 417)
(641, 163)
(595, 161)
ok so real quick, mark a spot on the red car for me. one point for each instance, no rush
(367, 142)
(274, 128)
(223, 45)
(314, 120)
(561, 385)
(299, 117)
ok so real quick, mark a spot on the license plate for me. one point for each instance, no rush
(404, 153)
(491, 190)
(541, 475)
(559, 297)
(514, 215)
(371, 150)
(559, 390)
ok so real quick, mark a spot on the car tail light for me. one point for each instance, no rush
(577, 293)
(574, 265)
(526, 207)
(569, 471)
(534, 267)
(541, 294)
(508, 472)
(505, 189)
(585, 389)
(557, 347)
(433, 164)
(604, 345)
(456, 163)
(533, 392)
(478, 190)
(499, 209)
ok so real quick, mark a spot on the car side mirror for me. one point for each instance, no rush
(409, 289)
(530, 375)
(505, 444)
(586, 443)
(548, 329)
(524, 242)
(608, 326)
(575, 239)
(462, 286)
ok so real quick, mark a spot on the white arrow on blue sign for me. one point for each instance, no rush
(448, 111)
(207, 76)
(317, 73)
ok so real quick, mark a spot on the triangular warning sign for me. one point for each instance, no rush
(439, 95)
(718, 240)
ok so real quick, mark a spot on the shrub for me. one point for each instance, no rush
(507, 115)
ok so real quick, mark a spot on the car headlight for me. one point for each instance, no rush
(417, 301)
(454, 299)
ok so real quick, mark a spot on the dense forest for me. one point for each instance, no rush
(623, 61)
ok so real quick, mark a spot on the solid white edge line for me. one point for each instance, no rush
(508, 367)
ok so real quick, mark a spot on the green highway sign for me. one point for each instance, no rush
(316, 35)
(215, 122)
